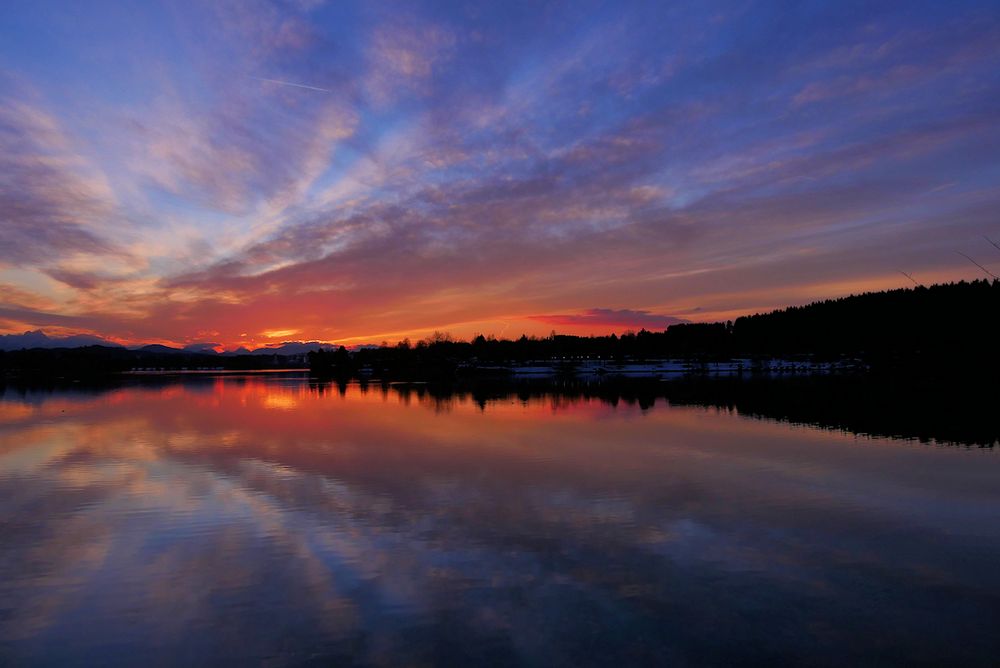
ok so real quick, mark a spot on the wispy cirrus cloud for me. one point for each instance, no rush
(468, 170)
(53, 203)
(401, 57)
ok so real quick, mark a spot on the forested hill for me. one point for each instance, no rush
(946, 326)
(949, 326)
(953, 319)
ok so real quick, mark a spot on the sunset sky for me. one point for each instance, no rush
(250, 172)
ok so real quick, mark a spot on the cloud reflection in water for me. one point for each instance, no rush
(193, 523)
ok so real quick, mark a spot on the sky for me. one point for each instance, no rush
(249, 172)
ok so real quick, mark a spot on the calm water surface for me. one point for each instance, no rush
(262, 520)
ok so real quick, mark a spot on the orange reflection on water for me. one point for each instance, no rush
(201, 507)
(319, 427)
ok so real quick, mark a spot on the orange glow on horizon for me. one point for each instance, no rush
(718, 306)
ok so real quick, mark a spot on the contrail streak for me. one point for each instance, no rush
(295, 85)
(988, 272)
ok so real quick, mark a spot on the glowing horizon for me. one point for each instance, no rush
(245, 173)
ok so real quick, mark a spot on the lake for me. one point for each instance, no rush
(273, 520)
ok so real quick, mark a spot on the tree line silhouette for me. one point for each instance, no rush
(947, 328)
(88, 361)
(944, 327)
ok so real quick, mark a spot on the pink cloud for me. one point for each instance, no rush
(611, 319)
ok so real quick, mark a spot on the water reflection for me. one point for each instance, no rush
(269, 519)
(946, 411)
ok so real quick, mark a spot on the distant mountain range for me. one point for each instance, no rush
(39, 339)
(287, 348)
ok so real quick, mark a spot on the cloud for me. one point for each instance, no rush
(81, 280)
(402, 56)
(42, 318)
(618, 320)
(466, 168)
(53, 203)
